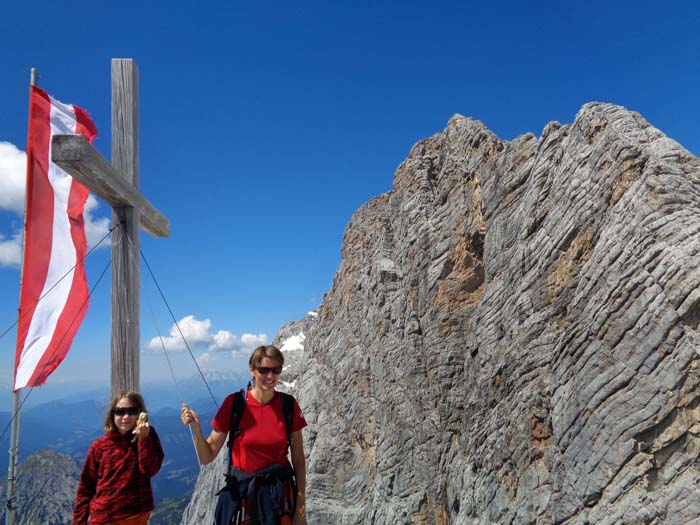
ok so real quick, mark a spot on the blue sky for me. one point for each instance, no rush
(265, 125)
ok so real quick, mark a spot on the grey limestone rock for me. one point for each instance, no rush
(290, 340)
(200, 509)
(45, 492)
(512, 335)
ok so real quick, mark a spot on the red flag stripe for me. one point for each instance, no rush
(39, 207)
(77, 302)
(55, 242)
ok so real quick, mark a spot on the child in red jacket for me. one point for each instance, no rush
(115, 485)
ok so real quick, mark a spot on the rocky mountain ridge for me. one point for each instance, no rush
(45, 490)
(291, 339)
(512, 335)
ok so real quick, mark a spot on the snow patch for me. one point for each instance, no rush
(296, 342)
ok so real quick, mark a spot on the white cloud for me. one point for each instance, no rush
(203, 359)
(95, 229)
(13, 166)
(198, 335)
(224, 340)
(11, 250)
(251, 341)
(195, 332)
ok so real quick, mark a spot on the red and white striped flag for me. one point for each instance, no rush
(51, 308)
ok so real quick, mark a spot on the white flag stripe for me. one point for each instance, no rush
(62, 259)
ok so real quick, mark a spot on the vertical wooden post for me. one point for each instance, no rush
(125, 239)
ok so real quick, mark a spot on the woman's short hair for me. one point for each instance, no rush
(265, 351)
(134, 398)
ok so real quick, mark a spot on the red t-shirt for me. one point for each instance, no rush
(263, 440)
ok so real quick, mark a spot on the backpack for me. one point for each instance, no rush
(237, 408)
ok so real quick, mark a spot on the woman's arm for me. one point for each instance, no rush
(87, 487)
(207, 449)
(299, 465)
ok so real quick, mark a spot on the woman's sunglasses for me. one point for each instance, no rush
(125, 411)
(264, 370)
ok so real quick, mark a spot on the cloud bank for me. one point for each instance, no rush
(11, 249)
(13, 165)
(199, 335)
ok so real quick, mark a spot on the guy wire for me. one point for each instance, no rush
(172, 315)
(167, 358)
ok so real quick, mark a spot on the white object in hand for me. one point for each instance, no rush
(143, 418)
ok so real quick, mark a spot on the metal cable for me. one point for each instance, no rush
(155, 281)
(170, 366)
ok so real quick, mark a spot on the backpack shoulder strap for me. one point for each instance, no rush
(237, 408)
(288, 412)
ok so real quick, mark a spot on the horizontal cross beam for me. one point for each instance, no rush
(76, 156)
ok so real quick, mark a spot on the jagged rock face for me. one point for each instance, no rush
(45, 490)
(512, 335)
(290, 340)
(201, 507)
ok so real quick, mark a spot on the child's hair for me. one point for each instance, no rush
(135, 399)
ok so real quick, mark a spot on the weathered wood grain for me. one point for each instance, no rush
(126, 288)
(81, 160)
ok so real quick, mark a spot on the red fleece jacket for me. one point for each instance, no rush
(116, 478)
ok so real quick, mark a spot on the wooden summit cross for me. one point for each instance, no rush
(118, 185)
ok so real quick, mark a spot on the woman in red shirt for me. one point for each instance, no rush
(259, 452)
(115, 485)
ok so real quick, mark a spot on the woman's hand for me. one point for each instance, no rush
(207, 448)
(299, 518)
(189, 416)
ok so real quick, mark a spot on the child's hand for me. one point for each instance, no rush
(142, 428)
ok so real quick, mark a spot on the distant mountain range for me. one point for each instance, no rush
(157, 393)
(69, 424)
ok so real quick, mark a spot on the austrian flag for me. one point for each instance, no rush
(51, 306)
